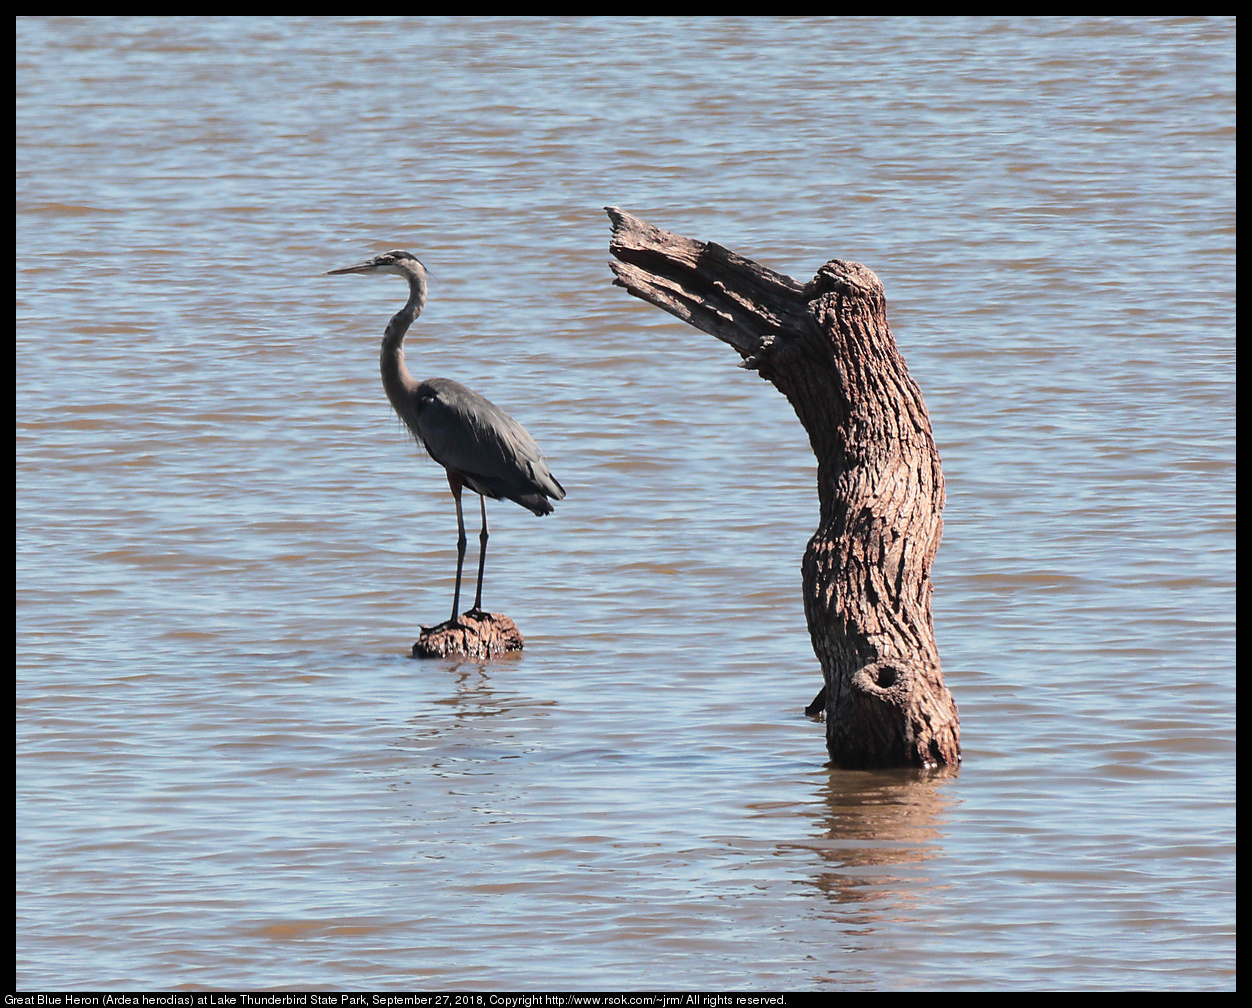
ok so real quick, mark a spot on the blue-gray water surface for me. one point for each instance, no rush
(230, 774)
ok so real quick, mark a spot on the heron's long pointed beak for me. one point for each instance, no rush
(365, 267)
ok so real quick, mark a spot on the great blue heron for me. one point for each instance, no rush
(480, 445)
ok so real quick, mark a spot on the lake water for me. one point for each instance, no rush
(231, 775)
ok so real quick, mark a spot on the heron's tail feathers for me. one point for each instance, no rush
(536, 503)
(533, 494)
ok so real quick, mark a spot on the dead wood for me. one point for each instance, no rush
(475, 634)
(827, 347)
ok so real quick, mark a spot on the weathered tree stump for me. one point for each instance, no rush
(475, 634)
(866, 572)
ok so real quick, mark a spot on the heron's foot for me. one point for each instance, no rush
(464, 620)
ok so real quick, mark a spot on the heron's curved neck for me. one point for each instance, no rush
(396, 377)
(402, 319)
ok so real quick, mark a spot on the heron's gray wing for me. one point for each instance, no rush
(471, 436)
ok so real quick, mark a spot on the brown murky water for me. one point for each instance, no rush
(230, 775)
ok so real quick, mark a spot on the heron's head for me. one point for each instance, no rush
(399, 262)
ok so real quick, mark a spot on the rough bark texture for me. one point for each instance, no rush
(474, 634)
(827, 347)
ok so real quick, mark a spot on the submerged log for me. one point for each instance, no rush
(475, 634)
(866, 572)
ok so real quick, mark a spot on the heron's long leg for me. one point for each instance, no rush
(482, 556)
(455, 483)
